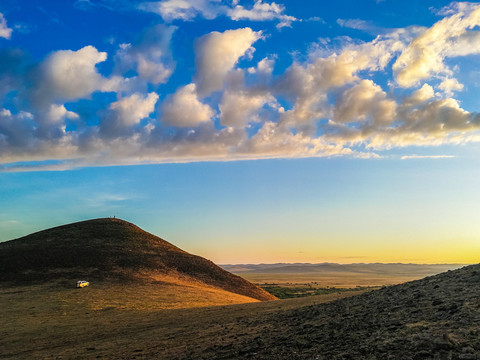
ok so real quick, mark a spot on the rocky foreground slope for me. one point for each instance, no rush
(434, 318)
(110, 250)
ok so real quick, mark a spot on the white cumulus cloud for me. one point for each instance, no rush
(419, 96)
(5, 31)
(262, 11)
(217, 53)
(238, 108)
(183, 108)
(57, 113)
(308, 84)
(69, 75)
(134, 108)
(449, 85)
(450, 37)
(127, 112)
(365, 101)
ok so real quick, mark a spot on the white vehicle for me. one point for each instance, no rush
(82, 283)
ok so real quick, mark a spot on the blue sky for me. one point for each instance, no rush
(247, 131)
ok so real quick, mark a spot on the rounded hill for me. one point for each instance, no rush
(110, 249)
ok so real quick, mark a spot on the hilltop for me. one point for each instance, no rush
(110, 251)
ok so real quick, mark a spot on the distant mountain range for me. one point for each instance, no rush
(396, 268)
(337, 275)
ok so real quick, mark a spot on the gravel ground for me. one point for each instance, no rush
(434, 318)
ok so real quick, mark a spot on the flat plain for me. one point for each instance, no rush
(337, 275)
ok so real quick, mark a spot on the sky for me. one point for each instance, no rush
(247, 131)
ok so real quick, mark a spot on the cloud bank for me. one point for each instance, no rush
(69, 110)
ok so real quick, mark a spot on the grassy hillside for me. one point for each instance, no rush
(110, 250)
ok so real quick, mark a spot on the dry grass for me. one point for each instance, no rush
(164, 292)
(106, 321)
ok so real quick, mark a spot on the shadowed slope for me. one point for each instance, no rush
(110, 249)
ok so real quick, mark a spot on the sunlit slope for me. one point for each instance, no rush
(112, 250)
